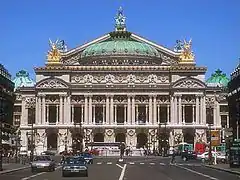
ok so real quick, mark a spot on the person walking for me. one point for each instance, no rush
(173, 160)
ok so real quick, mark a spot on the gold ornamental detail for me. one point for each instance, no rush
(54, 54)
(185, 49)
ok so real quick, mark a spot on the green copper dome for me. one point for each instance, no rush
(22, 79)
(120, 44)
(218, 79)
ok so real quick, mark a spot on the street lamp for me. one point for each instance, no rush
(210, 144)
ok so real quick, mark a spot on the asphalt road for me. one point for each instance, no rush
(132, 169)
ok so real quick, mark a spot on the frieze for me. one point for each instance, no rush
(30, 101)
(52, 83)
(52, 99)
(112, 79)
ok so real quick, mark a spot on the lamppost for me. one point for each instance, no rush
(210, 144)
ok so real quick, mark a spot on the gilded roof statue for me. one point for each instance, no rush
(120, 20)
(54, 54)
(185, 48)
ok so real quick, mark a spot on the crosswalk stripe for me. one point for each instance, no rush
(152, 163)
(109, 162)
(141, 163)
(162, 164)
(131, 163)
(99, 163)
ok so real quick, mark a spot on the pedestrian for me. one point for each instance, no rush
(173, 160)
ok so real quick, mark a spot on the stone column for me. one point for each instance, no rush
(115, 114)
(47, 115)
(180, 111)
(158, 113)
(86, 110)
(147, 120)
(197, 109)
(193, 114)
(125, 114)
(204, 110)
(104, 117)
(129, 110)
(201, 110)
(57, 114)
(43, 109)
(72, 114)
(82, 113)
(68, 109)
(172, 110)
(111, 110)
(137, 114)
(61, 109)
(150, 110)
(24, 117)
(94, 114)
(37, 111)
(40, 110)
(90, 110)
(155, 109)
(64, 110)
(133, 110)
(168, 113)
(107, 110)
(183, 111)
(175, 110)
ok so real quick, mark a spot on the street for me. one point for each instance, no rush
(140, 168)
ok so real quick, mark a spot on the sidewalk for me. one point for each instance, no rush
(11, 167)
(225, 167)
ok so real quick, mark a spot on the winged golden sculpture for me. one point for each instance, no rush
(187, 53)
(54, 54)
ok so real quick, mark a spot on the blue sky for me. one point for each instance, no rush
(26, 26)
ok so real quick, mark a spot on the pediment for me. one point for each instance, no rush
(52, 83)
(189, 83)
(73, 56)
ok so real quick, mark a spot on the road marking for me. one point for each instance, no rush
(109, 162)
(152, 163)
(119, 166)
(123, 172)
(38, 174)
(141, 163)
(132, 163)
(99, 163)
(162, 164)
(201, 174)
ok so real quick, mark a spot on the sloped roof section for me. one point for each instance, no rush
(23, 79)
(218, 79)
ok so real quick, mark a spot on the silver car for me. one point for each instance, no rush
(43, 163)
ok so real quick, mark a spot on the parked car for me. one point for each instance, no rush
(43, 163)
(74, 166)
(205, 156)
(186, 155)
(48, 153)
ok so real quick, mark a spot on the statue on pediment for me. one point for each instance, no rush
(120, 20)
(187, 53)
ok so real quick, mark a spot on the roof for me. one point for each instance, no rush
(4, 72)
(218, 79)
(23, 79)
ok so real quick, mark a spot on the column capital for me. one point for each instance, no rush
(130, 95)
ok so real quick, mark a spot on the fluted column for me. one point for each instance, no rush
(94, 114)
(57, 114)
(125, 114)
(40, 110)
(111, 110)
(147, 120)
(193, 114)
(201, 110)
(43, 109)
(197, 109)
(61, 109)
(86, 110)
(172, 110)
(64, 109)
(158, 113)
(168, 113)
(155, 109)
(183, 116)
(204, 110)
(47, 114)
(175, 110)
(129, 110)
(133, 110)
(150, 110)
(115, 114)
(72, 114)
(180, 110)
(104, 117)
(90, 110)
(37, 111)
(68, 109)
(82, 113)
(107, 110)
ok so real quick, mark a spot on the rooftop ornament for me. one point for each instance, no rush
(56, 49)
(185, 48)
(23, 79)
(120, 20)
(218, 79)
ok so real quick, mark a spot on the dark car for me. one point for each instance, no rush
(74, 166)
(43, 163)
(186, 155)
(88, 157)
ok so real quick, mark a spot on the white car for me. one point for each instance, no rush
(205, 156)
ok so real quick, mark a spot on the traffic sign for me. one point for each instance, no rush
(215, 137)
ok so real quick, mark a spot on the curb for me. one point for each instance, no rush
(223, 169)
(13, 170)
